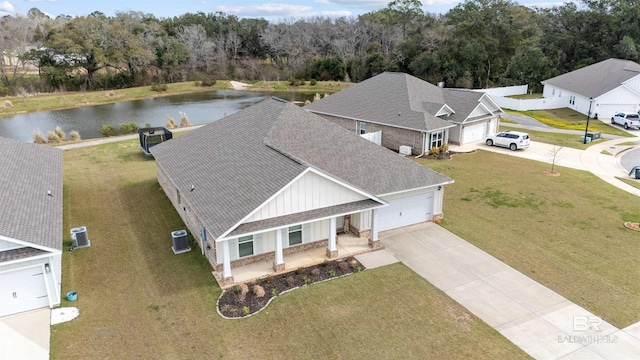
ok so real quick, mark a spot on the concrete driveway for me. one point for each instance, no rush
(25, 335)
(538, 320)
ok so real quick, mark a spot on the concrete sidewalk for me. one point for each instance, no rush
(533, 317)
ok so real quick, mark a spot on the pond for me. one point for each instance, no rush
(200, 108)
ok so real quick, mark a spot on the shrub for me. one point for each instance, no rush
(356, 267)
(128, 128)
(52, 137)
(4, 91)
(274, 291)
(38, 137)
(108, 130)
(331, 273)
(184, 120)
(313, 82)
(159, 87)
(242, 290)
(170, 124)
(74, 135)
(343, 265)
(296, 82)
(61, 135)
(245, 310)
(301, 271)
(434, 151)
(269, 279)
(258, 291)
(290, 281)
(307, 280)
(147, 125)
(208, 82)
(315, 272)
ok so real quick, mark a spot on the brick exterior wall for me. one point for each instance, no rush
(392, 138)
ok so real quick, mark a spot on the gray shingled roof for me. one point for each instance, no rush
(28, 172)
(399, 100)
(240, 161)
(596, 79)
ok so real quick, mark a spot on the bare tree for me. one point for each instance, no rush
(553, 155)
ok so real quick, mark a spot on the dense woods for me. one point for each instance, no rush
(479, 43)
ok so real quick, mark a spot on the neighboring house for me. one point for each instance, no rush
(274, 179)
(411, 112)
(607, 87)
(30, 226)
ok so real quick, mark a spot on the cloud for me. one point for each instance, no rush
(357, 4)
(264, 10)
(6, 8)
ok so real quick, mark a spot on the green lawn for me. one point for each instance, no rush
(633, 182)
(560, 139)
(569, 119)
(566, 232)
(139, 300)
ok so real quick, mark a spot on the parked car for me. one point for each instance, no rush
(626, 119)
(513, 140)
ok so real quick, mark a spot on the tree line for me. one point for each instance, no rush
(478, 43)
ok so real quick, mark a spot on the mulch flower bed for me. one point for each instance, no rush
(246, 299)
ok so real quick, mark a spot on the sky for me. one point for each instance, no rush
(272, 10)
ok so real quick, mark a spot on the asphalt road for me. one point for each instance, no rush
(630, 159)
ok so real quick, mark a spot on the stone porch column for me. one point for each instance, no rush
(374, 242)
(227, 278)
(332, 250)
(278, 263)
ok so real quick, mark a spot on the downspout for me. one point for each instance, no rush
(424, 138)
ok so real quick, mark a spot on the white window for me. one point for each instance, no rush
(245, 246)
(436, 139)
(362, 128)
(295, 235)
(553, 92)
(572, 100)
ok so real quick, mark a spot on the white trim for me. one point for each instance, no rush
(37, 257)
(440, 113)
(624, 87)
(56, 290)
(300, 223)
(376, 122)
(304, 172)
(416, 189)
(488, 97)
(29, 244)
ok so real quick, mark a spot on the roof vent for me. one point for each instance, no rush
(79, 237)
(180, 242)
(405, 150)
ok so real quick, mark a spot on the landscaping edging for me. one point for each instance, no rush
(235, 303)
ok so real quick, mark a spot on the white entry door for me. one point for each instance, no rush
(22, 290)
(406, 211)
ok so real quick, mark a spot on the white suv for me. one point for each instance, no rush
(514, 140)
(626, 119)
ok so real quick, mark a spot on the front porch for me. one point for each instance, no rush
(347, 244)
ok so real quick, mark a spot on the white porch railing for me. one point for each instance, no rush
(374, 137)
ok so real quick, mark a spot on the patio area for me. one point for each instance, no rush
(347, 244)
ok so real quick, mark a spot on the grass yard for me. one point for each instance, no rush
(569, 119)
(633, 182)
(139, 300)
(560, 139)
(566, 232)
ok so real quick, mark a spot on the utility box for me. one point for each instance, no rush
(594, 135)
(582, 140)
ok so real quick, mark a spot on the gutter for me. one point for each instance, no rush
(424, 138)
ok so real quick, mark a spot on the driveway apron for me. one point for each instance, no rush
(538, 320)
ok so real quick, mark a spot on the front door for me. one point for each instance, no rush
(340, 224)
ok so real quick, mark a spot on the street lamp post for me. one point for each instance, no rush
(588, 116)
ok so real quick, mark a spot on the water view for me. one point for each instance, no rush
(200, 108)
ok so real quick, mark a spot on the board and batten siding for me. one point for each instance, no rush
(7, 245)
(53, 279)
(310, 192)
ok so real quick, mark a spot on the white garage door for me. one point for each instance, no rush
(474, 132)
(22, 290)
(406, 211)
